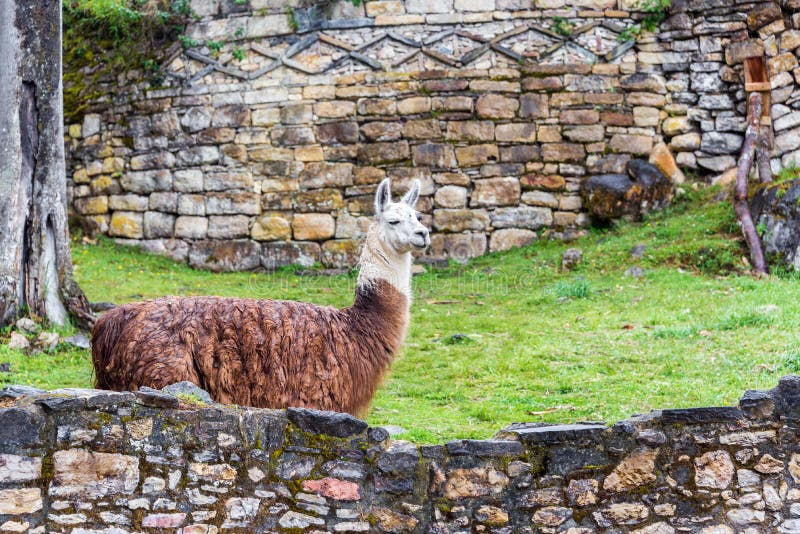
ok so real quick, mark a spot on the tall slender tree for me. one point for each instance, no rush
(35, 261)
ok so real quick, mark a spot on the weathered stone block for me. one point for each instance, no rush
(271, 227)
(276, 255)
(495, 192)
(476, 155)
(382, 131)
(228, 226)
(292, 136)
(439, 156)
(377, 106)
(470, 131)
(585, 134)
(378, 153)
(80, 473)
(191, 227)
(126, 224)
(20, 501)
(509, 238)
(196, 119)
(631, 144)
(567, 152)
(221, 256)
(318, 200)
(332, 133)
(459, 220)
(198, 155)
(234, 116)
(16, 469)
(516, 133)
(324, 174)
(494, 106)
(313, 226)
(521, 217)
(157, 224)
(155, 160)
(460, 247)
(232, 203)
(340, 253)
(422, 129)
(579, 116)
(414, 105)
(92, 205)
(451, 196)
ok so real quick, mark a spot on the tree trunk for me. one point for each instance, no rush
(740, 206)
(35, 261)
(762, 155)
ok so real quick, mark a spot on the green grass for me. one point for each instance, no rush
(540, 345)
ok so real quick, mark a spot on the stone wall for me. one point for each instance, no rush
(265, 144)
(88, 461)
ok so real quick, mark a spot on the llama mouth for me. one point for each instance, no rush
(421, 245)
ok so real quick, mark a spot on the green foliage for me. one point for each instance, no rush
(789, 172)
(562, 26)
(654, 12)
(124, 20)
(238, 54)
(572, 289)
(186, 41)
(791, 361)
(214, 46)
(111, 36)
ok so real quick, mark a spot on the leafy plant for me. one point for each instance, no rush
(562, 26)
(654, 12)
(186, 41)
(788, 172)
(238, 53)
(214, 46)
(153, 71)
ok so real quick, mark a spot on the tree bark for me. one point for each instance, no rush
(740, 206)
(35, 261)
(762, 155)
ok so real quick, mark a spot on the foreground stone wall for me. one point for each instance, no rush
(265, 144)
(87, 461)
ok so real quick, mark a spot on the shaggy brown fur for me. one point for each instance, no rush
(264, 353)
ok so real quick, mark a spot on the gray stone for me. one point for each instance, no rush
(329, 423)
(188, 389)
(721, 143)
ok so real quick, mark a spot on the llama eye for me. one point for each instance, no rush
(393, 223)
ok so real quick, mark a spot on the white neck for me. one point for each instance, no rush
(380, 262)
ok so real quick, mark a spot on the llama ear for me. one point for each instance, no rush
(412, 196)
(382, 196)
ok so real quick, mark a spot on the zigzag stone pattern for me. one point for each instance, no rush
(263, 144)
(89, 461)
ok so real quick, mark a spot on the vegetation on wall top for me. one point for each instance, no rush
(112, 36)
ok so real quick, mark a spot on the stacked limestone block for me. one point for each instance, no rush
(88, 461)
(501, 108)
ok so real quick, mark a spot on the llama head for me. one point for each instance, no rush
(398, 223)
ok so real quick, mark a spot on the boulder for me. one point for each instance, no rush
(776, 212)
(615, 196)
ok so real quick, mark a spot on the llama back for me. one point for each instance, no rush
(265, 353)
(105, 334)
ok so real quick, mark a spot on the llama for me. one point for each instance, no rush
(270, 353)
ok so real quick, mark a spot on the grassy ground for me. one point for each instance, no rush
(539, 345)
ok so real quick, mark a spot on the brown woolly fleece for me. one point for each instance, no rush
(263, 353)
